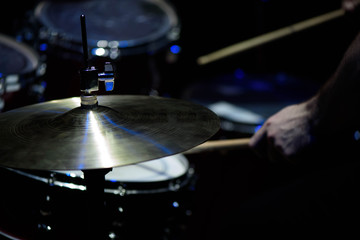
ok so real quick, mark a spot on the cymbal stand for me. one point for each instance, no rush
(95, 204)
(94, 178)
(90, 76)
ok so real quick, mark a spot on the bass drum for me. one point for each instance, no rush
(137, 36)
(20, 74)
(149, 200)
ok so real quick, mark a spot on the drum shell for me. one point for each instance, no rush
(139, 68)
(158, 207)
(21, 73)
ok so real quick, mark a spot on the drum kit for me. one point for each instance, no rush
(119, 151)
(103, 141)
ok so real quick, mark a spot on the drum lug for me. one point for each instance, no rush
(51, 180)
(175, 186)
(46, 216)
(121, 191)
(45, 210)
(174, 34)
(41, 70)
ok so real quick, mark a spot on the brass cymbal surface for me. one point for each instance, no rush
(121, 130)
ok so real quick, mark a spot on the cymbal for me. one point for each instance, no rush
(122, 130)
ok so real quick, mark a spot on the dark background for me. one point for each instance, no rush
(208, 26)
(228, 179)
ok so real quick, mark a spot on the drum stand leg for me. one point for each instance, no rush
(95, 208)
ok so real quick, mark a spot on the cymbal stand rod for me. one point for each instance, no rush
(84, 40)
(95, 198)
(90, 76)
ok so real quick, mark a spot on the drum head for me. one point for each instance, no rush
(16, 58)
(161, 169)
(126, 23)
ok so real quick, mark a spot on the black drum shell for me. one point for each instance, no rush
(21, 72)
(51, 205)
(142, 61)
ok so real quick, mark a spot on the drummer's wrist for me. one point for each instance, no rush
(331, 115)
(311, 107)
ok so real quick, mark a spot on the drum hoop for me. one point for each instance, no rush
(68, 41)
(29, 53)
(169, 185)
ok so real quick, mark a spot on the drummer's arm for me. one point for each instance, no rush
(335, 107)
(337, 104)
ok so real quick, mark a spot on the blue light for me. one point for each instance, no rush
(19, 38)
(260, 86)
(281, 78)
(175, 204)
(239, 73)
(109, 86)
(123, 44)
(175, 49)
(43, 47)
(145, 138)
(43, 84)
(357, 135)
(257, 128)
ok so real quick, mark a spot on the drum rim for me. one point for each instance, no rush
(157, 36)
(28, 52)
(122, 189)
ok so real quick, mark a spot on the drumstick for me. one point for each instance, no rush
(268, 37)
(220, 145)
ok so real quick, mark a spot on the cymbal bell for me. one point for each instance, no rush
(122, 130)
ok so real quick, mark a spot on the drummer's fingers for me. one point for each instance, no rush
(275, 153)
(264, 145)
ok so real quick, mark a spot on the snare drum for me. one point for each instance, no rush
(158, 176)
(136, 35)
(20, 73)
(154, 196)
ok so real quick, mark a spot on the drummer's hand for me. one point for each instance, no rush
(285, 134)
(350, 5)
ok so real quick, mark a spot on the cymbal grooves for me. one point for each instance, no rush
(122, 130)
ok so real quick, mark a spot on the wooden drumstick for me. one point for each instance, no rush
(220, 145)
(268, 37)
